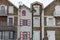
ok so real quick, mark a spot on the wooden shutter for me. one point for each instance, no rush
(28, 22)
(28, 35)
(21, 22)
(21, 35)
(11, 9)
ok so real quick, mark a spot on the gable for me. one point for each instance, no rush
(8, 3)
(23, 7)
(49, 10)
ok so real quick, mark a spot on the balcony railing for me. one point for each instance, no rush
(4, 24)
(57, 14)
(3, 13)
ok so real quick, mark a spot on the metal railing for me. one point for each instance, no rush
(4, 24)
(3, 13)
(56, 13)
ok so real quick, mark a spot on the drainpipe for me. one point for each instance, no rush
(42, 24)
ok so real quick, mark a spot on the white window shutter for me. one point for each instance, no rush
(11, 9)
(6, 9)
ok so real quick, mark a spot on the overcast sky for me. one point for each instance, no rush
(28, 2)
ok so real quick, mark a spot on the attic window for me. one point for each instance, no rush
(23, 13)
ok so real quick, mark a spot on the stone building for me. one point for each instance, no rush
(8, 20)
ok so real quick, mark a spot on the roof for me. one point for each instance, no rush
(49, 4)
(36, 2)
(25, 6)
(12, 4)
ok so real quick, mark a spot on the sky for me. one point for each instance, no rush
(28, 2)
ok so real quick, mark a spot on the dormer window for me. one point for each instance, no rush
(2, 9)
(23, 13)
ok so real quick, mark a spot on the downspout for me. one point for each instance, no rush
(42, 24)
(32, 24)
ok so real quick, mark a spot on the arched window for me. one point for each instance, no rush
(24, 13)
(57, 10)
(2, 9)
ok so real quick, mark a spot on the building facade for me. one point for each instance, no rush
(24, 23)
(52, 21)
(8, 20)
(45, 21)
(29, 22)
(36, 8)
(34, 23)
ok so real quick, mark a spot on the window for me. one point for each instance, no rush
(36, 7)
(36, 22)
(0, 35)
(50, 21)
(10, 20)
(23, 13)
(11, 9)
(36, 35)
(24, 22)
(2, 9)
(6, 35)
(57, 10)
(11, 35)
(25, 36)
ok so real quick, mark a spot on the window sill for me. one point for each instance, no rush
(51, 26)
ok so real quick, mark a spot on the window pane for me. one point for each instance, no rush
(2, 9)
(50, 22)
(23, 13)
(24, 36)
(36, 22)
(0, 35)
(25, 22)
(11, 34)
(6, 35)
(10, 21)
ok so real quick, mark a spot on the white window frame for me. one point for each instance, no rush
(8, 19)
(57, 10)
(35, 21)
(36, 36)
(5, 8)
(48, 19)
